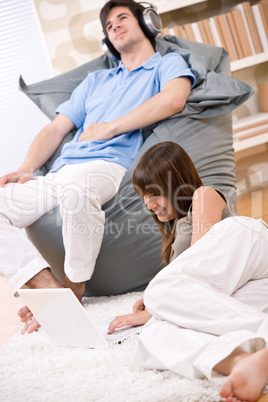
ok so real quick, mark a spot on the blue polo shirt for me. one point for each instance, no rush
(109, 94)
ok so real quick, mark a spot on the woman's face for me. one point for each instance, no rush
(161, 206)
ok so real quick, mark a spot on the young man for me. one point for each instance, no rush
(108, 108)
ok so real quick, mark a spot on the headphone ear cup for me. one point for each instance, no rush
(150, 22)
(109, 50)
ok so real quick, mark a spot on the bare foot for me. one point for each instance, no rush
(77, 288)
(247, 379)
(31, 323)
(43, 280)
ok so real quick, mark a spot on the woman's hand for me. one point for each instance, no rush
(139, 306)
(139, 318)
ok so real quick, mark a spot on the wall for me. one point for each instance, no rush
(72, 31)
(22, 52)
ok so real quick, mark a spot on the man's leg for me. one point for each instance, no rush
(21, 205)
(44, 279)
(21, 263)
(84, 188)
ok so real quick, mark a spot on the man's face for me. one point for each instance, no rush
(123, 29)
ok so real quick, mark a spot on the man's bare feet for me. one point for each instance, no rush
(247, 379)
(77, 288)
(31, 323)
(46, 280)
(43, 280)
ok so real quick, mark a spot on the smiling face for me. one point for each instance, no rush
(123, 29)
(161, 206)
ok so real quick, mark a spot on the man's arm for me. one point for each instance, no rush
(41, 149)
(166, 103)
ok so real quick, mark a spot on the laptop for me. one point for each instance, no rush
(66, 321)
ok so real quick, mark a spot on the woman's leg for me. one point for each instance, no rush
(190, 294)
(166, 346)
(194, 290)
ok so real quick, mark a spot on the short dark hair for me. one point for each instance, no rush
(136, 9)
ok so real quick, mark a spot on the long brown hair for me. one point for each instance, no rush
(166, 169)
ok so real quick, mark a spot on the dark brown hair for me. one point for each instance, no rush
(166, 169)
(133, 6)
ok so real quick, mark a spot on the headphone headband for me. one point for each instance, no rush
(150, 23)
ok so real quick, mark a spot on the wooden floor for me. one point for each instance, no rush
(254, 204)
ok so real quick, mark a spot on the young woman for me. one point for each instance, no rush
(207, 310)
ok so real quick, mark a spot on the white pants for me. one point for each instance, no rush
(80, 190)
(198, 319)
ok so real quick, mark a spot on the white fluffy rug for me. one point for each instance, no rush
(33, 369)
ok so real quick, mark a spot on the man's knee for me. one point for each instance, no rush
(74, 199)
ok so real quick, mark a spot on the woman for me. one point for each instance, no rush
(206, 311)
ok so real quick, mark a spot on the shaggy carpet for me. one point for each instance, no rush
(32, 369)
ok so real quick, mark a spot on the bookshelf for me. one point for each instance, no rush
(249, 61)
(250, 142)
(171, 5)
(176, 14)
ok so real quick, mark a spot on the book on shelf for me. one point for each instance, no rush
(226, 36)
(179, 31)
(250, 126)
(264, 17)
(243, 31)
(242, 34)
(214, 32)
(197, 33)
(208, 33)
(251, 24)
(189, 31)
(260, 27)
(235, 34)
(264, 5)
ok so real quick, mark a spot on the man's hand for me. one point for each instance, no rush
(15, 177)
(98, 132)
(120, 321)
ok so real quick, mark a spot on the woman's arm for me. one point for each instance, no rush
(139, 317)
(207, 208)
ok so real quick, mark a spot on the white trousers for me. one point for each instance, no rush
(80, 190)
(198, 301)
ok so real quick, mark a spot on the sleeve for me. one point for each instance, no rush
(174, 66)
(74, 108)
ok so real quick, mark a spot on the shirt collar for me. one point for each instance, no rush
(148, 65)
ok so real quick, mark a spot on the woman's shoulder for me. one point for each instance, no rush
(207, 191)
(207, 202)
(209, 194)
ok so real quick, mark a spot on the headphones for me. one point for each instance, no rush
(150, 22)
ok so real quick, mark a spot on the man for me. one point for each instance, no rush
(108, 108)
